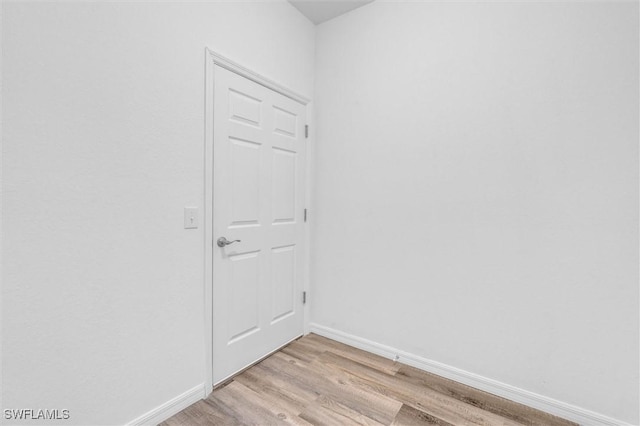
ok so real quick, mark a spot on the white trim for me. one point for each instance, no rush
(171, 407)
(211, 59)
(549, 405)
(253, 76)
(309, 181)
(207, 224)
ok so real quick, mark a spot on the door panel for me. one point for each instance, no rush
(285, 122)
(283, 199)
(245, 108)
(245, 284)
(258, 198)
(283, 282)
(245, 182)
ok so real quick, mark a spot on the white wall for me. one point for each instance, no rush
(477, 190)
(103, 139)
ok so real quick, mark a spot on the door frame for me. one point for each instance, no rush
(211, 60)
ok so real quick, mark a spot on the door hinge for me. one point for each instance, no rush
(305, 215)
(306, 131)
(304, 297)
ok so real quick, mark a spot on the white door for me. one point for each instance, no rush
(258, 200)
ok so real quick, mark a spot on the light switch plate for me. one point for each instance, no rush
(190, 217)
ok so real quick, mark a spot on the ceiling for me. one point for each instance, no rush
(319, 11)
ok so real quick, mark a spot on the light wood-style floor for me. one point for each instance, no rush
(318, 381)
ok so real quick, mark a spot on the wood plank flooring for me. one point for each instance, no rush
(319, 381)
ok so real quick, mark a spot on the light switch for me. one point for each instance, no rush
(190, 217)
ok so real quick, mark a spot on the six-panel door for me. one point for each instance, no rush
(258, 198)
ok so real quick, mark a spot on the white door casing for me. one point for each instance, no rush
(258, 185)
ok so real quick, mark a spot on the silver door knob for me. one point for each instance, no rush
(222, 242)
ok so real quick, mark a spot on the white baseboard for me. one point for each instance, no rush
(543, 403)
(171, 407)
